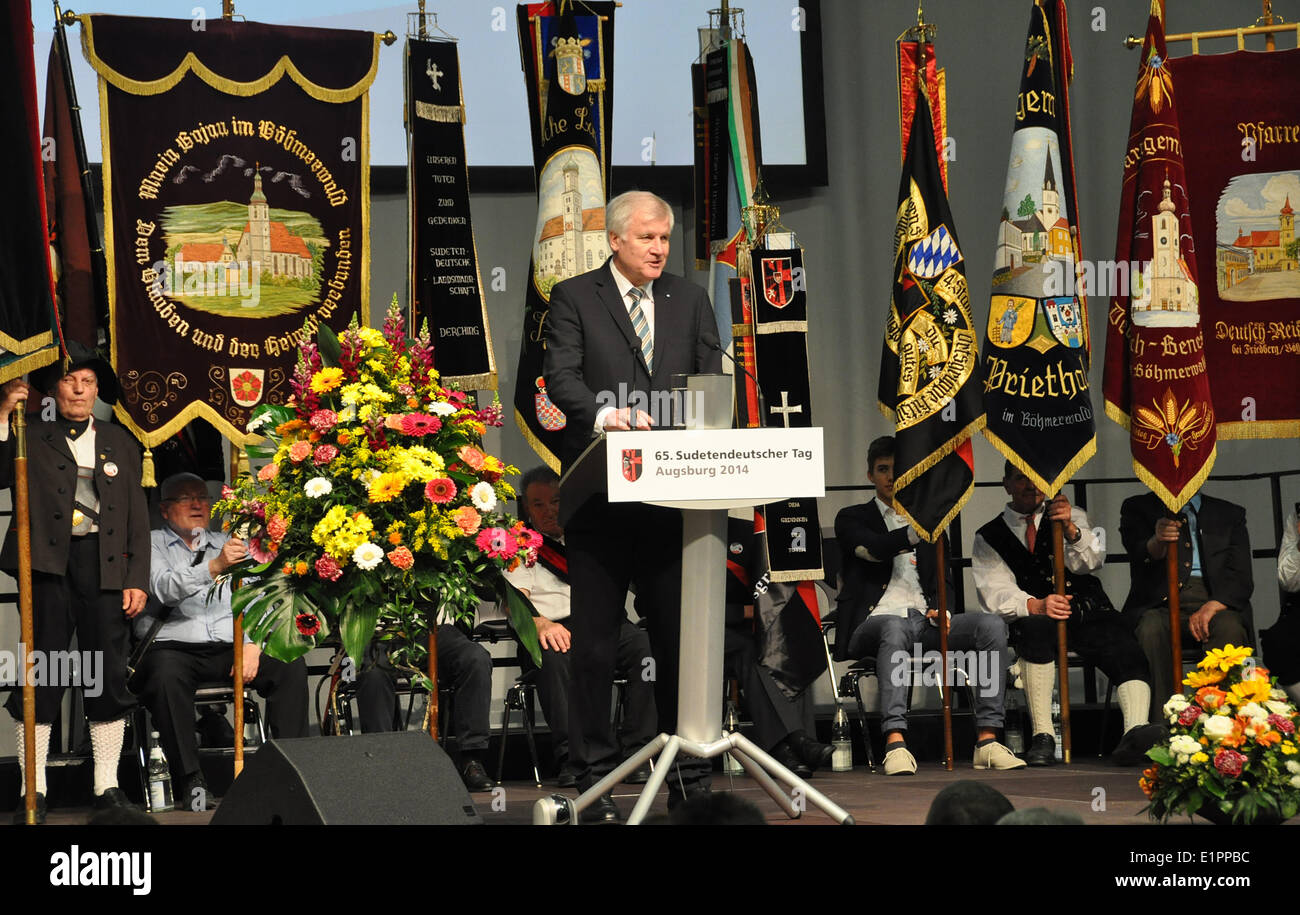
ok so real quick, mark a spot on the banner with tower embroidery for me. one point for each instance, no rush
(236, 208)
(1241, 146)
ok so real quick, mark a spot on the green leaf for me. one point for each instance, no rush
(357, 627)
(1161, 755)
(331, 353)
(269, 608)
(520, 610)
(1213, 786)
(1193, 802)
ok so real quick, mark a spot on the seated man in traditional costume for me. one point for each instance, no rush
(887, 609)
(192, 638)
(546, 584)
(1214, 579)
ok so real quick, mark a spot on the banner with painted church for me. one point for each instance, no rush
(1155, 380)
(1241, 146)
(568, 64)
(1037, 353)
(237, 198)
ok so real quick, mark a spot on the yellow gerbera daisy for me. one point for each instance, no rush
(327, 379)
(386, 487)
(1250, 691)
(1198, 678)
(1224, 658)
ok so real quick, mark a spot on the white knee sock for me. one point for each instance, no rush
(1134, 702)
(42, 752)
(1039, 680)
(106, 751)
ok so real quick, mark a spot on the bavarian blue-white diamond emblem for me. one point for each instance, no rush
(933, 254)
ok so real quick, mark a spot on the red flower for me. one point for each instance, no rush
(246, 386)
(324, 454)
(1229, 762)
(440, 490)
(496, 542)
(328, 568)
(323, 420)
(307, 624)
(420, 424)
(401, 558)
(1285, 725)
(1187, 717)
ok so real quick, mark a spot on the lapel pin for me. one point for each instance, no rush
(110, 469)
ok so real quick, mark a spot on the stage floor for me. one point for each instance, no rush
(1097, 792)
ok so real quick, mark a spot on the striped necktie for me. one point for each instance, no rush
(641, 326)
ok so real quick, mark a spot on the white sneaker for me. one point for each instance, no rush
(900, 761)
(995, 756)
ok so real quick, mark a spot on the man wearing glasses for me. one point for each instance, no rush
(194, 644)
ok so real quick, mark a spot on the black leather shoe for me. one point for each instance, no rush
(786, 756)
(815, 754)
(192, 794)
(640, 775)
(1133, 746)
(603, 810)
(1042, 751)
(20, 815)
(475, 776)
(112, 797)
(566, 779)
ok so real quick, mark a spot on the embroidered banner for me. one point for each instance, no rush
(936, 88)
(237, 199)
(1036, 354)
(1241, 146)
(568, 68)
(1156, 384)
(446, 287)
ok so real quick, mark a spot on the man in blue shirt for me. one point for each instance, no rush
(194, 645)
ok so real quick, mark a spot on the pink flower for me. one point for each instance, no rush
(328, 568)
(490, 415)
(323, 420)
(259, 551)
(440, 490)
(299, 451)
(467, 519)
(1229, 762)
(324, 454)
(1187, 717)
(401, 558)
(496, 542)
(420, 424)
(268, 473)
(1285, 725)
(527, 538)
(472, 457)
(456, 399)
(226, 491)
(276, 528)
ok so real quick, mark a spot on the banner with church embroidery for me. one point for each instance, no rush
(1036, 353)
(1241, 145)
(1155, 378)
(446, 287)
(568, 63)
(237, 198)
(779, 295)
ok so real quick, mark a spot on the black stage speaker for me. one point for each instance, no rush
(370, 779)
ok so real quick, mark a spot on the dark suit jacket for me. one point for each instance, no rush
(863, 582)
(1224, 546)
(591, 347)
(52, 482)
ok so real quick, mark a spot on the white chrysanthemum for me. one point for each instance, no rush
(1174, 707)
(1293, 767)
(367, 556)
(1253, 710)
(1295, 781)
(1183, 745)
(317, 487)
(483, 497)
(369, 477)
(258, 422)
(1277, 695)
(347, 414)
(441, 408)
(1278, 708)
(1218, 727)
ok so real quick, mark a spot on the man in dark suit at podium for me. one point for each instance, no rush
(615, 337)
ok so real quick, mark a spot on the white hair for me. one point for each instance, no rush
(619, 211)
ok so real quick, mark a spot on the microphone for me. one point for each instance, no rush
(762, 402)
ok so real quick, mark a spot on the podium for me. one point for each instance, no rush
(703, 472)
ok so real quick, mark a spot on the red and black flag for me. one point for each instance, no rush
(929, 370)
(1156, 383)
(568, 63)
(1036, 353)
(27, 321)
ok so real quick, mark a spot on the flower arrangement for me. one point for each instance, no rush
(378, 506)
(1232, 754)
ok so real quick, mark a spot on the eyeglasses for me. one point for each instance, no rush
(189, 500)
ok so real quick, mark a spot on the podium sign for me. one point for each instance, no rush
(748, 466)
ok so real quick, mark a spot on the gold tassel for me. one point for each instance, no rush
(146, 470)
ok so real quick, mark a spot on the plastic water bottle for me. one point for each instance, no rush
(841, 743)
(160, 777)
(731, 724)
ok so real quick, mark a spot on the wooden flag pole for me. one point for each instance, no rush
(23, 524)
(433, 680)
(941, 560)
(238, 645)
(1062, 651)
(1175, 616)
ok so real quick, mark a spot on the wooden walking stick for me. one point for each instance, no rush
(23, 524)
(942, 561)
(1062, 651)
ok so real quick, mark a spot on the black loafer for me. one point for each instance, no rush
(475, 776)
(815, 754)
(640, 775)
(1133, 746)
(112, 797)
(602, 810)
(1042, 751)
(20, 815)
(786, 756)
(566, 779)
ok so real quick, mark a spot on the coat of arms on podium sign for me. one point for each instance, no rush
(549, 416)
(631, 464)
(778, 281)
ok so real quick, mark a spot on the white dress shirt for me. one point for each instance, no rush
(996, 583)
(1288, 557)
(904, 592)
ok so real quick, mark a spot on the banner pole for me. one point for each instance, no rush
(22, 522)
(237, 646)
(1175, 621)
(942, 561)
(433, 679)
(1062, 651)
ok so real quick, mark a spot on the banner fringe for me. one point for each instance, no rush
(28, 346)
(536, 443)
(1049, 489)
(938, 454)
(444, 114)
(25, 364)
